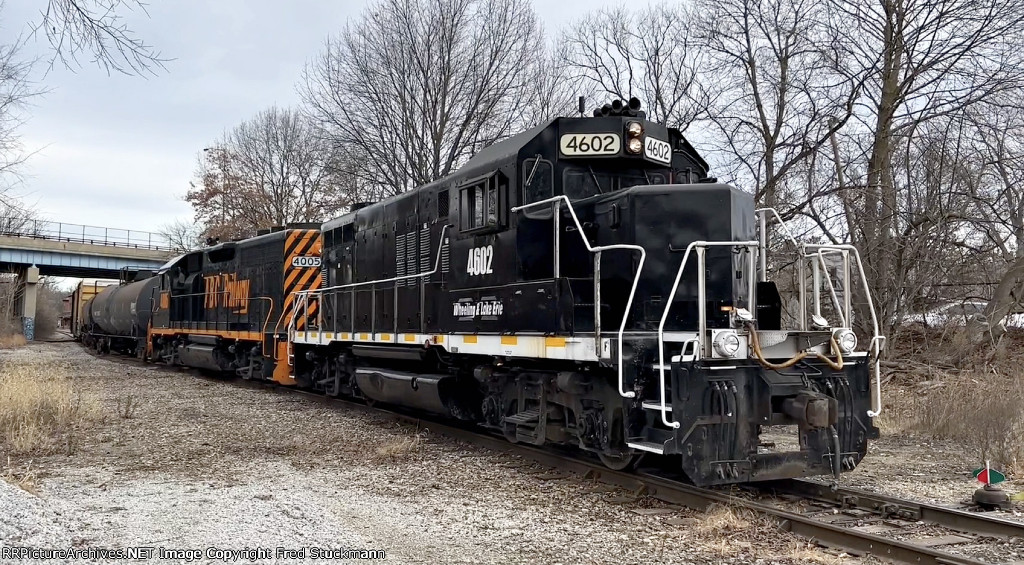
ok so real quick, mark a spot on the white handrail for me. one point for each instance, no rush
(877, 339)
(785, 226)
(668, 307)
(437, 262)
(632, 290)
(304, 294)
(832, 288)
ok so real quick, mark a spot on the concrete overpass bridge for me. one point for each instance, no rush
(40, 248)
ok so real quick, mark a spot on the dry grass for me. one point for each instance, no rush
(25, 479)
(722, 520)
(40, 411)
(126, 406)
(806, 552)
(944, 387)
(984, 411)
(10, 341)
(397, 449)
(738, 533)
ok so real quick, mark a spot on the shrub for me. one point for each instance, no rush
(39, 408)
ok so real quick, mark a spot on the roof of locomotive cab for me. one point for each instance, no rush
(482, 160)
(241, 243)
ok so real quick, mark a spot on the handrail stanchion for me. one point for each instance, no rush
(556, 218)
(591, 249)
(597, 297)
(847, 294)
(816, 281)
(752, 286)
(762, 248)
(702, 298)
(702, 308)
(801, 273)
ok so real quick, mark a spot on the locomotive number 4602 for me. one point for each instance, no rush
(658, 150)
(479, 262)
(577, 144)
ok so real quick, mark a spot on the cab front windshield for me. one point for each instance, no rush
(584, 182)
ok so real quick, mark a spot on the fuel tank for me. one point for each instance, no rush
(123, 310)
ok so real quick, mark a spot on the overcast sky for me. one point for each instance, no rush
(119, 151)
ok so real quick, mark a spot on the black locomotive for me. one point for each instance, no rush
(583, 283)
(586, 283)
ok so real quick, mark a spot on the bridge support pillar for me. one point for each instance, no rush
(28, 282)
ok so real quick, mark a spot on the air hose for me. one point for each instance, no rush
(836, 365)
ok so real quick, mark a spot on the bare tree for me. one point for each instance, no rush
(183, 235)
(551, 92)
(998, 199)
(417, 86)
(96, 29)
(922, 60)
(781, 96)
(75, 29)
(15, 90)
(16, 218)
(651, 53)
(268, 171)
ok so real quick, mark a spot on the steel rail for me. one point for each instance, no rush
(672, 491)
(952, 518)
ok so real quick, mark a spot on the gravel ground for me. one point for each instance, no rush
(182, 462)
(199, 463)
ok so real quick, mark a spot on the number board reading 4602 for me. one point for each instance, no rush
(658, 150)
(590, 144)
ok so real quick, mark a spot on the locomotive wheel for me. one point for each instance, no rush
(626, 460)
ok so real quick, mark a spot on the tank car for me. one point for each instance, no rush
(117, 318)
(227, 308)
(586, 283)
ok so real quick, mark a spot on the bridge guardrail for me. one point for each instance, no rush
(91, 235)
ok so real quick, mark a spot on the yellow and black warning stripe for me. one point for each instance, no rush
(301, 272)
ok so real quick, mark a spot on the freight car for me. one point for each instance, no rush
(83, 293)
(117, 318)
(586, 283)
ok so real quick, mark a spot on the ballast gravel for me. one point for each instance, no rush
(183, 463)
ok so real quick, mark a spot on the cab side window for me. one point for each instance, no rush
(483, 203)
(538, 181)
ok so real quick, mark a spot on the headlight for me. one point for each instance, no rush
(634, 129)
(634, 145)
(727, 344)
(846, 339)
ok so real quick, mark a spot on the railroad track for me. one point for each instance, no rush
(854, 521)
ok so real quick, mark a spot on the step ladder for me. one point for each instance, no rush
(648, 446)
(526, 417)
